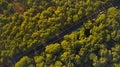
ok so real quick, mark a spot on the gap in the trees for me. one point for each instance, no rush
(96, 51)
(87, 32)
(110, 44)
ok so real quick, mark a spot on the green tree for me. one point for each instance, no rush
(53, 49)
(25, 62)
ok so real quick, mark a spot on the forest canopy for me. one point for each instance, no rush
(26, 24)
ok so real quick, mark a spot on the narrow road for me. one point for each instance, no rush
(38, 49)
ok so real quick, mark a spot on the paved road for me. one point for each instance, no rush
(69, 29)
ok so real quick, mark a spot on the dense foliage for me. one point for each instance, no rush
(38, 20)
(100, 49)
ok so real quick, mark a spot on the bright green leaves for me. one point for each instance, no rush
(101, 19)
(39, 60)
(94, 58)
(116, 53)
(65, 45)
(58, 64)
(53, 49)
(25, 62)
(75, 18)
(113, 12)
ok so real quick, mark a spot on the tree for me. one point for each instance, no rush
(58, 64)
(25, 62)
(53, 49)
(39, 60)
(75, 18)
